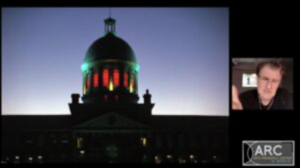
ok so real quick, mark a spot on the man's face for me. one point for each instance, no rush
(268, 82)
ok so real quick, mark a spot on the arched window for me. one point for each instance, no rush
(105, 77)
(116, 78)
(96, 79)
(88, 81)
(84, 89)
(111, 85)
(125, 79)
(131, 88)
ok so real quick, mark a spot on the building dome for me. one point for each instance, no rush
(110, 47)
(110, 70)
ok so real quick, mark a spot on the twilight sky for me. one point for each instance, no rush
(183, 55)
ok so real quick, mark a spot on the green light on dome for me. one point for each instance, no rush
(137, 67)
(84, 67)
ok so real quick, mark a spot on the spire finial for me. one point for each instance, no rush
(110, 23)
(109, 12)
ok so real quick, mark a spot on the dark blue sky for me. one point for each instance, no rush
(182, 52)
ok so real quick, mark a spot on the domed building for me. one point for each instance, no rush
(110, 81)
(110, 108)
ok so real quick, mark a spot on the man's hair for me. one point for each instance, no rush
(272, 64)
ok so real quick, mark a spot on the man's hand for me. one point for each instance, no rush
(236, 104)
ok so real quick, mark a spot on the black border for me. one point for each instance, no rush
(256, 30)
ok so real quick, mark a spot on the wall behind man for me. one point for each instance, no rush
(237, 75)
(288, 80)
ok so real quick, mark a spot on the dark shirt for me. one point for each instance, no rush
(283, 100)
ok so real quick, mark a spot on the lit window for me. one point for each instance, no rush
(79, 142)
(105, 77)
(111, 85)
(125, 79)
(131, 84)
(84, 89)
(144, 141)
(88, 81)
(96, 79)
(116, 77)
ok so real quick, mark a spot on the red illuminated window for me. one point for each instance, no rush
(105, 77)
(125, 79)
(88, 81)
(116, 77)
(96, 79)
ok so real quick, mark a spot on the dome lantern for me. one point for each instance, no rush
(110, 25)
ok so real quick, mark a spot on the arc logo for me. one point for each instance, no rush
(268, 153)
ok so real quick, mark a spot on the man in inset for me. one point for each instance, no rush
(268, 95)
